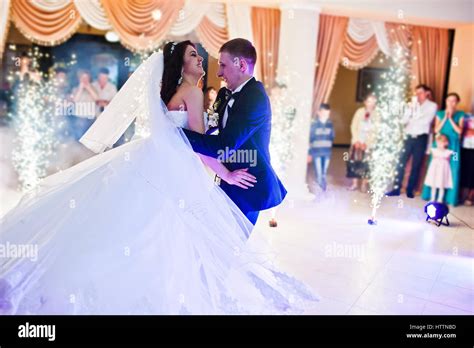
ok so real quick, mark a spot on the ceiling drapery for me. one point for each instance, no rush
(45, 22)
(140, 24)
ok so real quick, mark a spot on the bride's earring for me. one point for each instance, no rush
(180, 81)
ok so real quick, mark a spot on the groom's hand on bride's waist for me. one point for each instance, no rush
(240, 178)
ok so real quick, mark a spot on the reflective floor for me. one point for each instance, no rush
(403, 265)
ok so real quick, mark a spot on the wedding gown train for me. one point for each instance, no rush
(139, 229)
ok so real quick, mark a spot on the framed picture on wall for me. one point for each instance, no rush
(367, 81)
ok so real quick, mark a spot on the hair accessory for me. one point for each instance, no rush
(173, 45)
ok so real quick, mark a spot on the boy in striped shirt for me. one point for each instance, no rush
(320, 147)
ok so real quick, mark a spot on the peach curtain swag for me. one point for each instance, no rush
(208, 20)
(266, 34)
(93, 14)
(357, 55)
(44, 26)
(428, 48)
(332, 30)
(142, 24)
(212, 37)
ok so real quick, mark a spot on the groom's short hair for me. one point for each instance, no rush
(241, 48)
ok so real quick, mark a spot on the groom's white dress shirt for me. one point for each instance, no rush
(231, 102)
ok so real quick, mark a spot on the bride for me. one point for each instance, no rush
(142, 228)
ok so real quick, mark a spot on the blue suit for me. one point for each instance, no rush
(244, 143)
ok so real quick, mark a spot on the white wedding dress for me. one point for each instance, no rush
(139, 229)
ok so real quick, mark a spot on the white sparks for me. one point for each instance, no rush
(283, 125)
(389, 138)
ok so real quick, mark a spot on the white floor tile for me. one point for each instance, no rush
(387, 301)
(404, 283)
(453, 296)
(432, 308)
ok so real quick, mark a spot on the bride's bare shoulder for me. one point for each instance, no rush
(186, 94)
(188, 90)
(192, 95)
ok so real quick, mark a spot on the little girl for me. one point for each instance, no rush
(439, 172)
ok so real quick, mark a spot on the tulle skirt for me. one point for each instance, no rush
(140, 229)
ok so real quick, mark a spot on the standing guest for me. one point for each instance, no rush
(84, 97)
(431, 138)
(210, 96)
(430, 94)
(439, 176)
(27, 71)
(361, 141)
(25, 76)
(24, 90)
(105, 90)
(210, 123)
(467, 160)
(417, 121)
(450, 122)
(21, 76)
(321, 139)
(25, 66)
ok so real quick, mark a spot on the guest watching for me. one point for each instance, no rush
(417, 120)
(362, 128)
(210, 96)
(84, 97)
(321, 139)
(467, 160)
(450, 122)
(105, 90)
(439, 176)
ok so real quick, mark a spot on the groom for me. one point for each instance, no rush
(244, 130)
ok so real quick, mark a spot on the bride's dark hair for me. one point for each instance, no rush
(173, 56)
